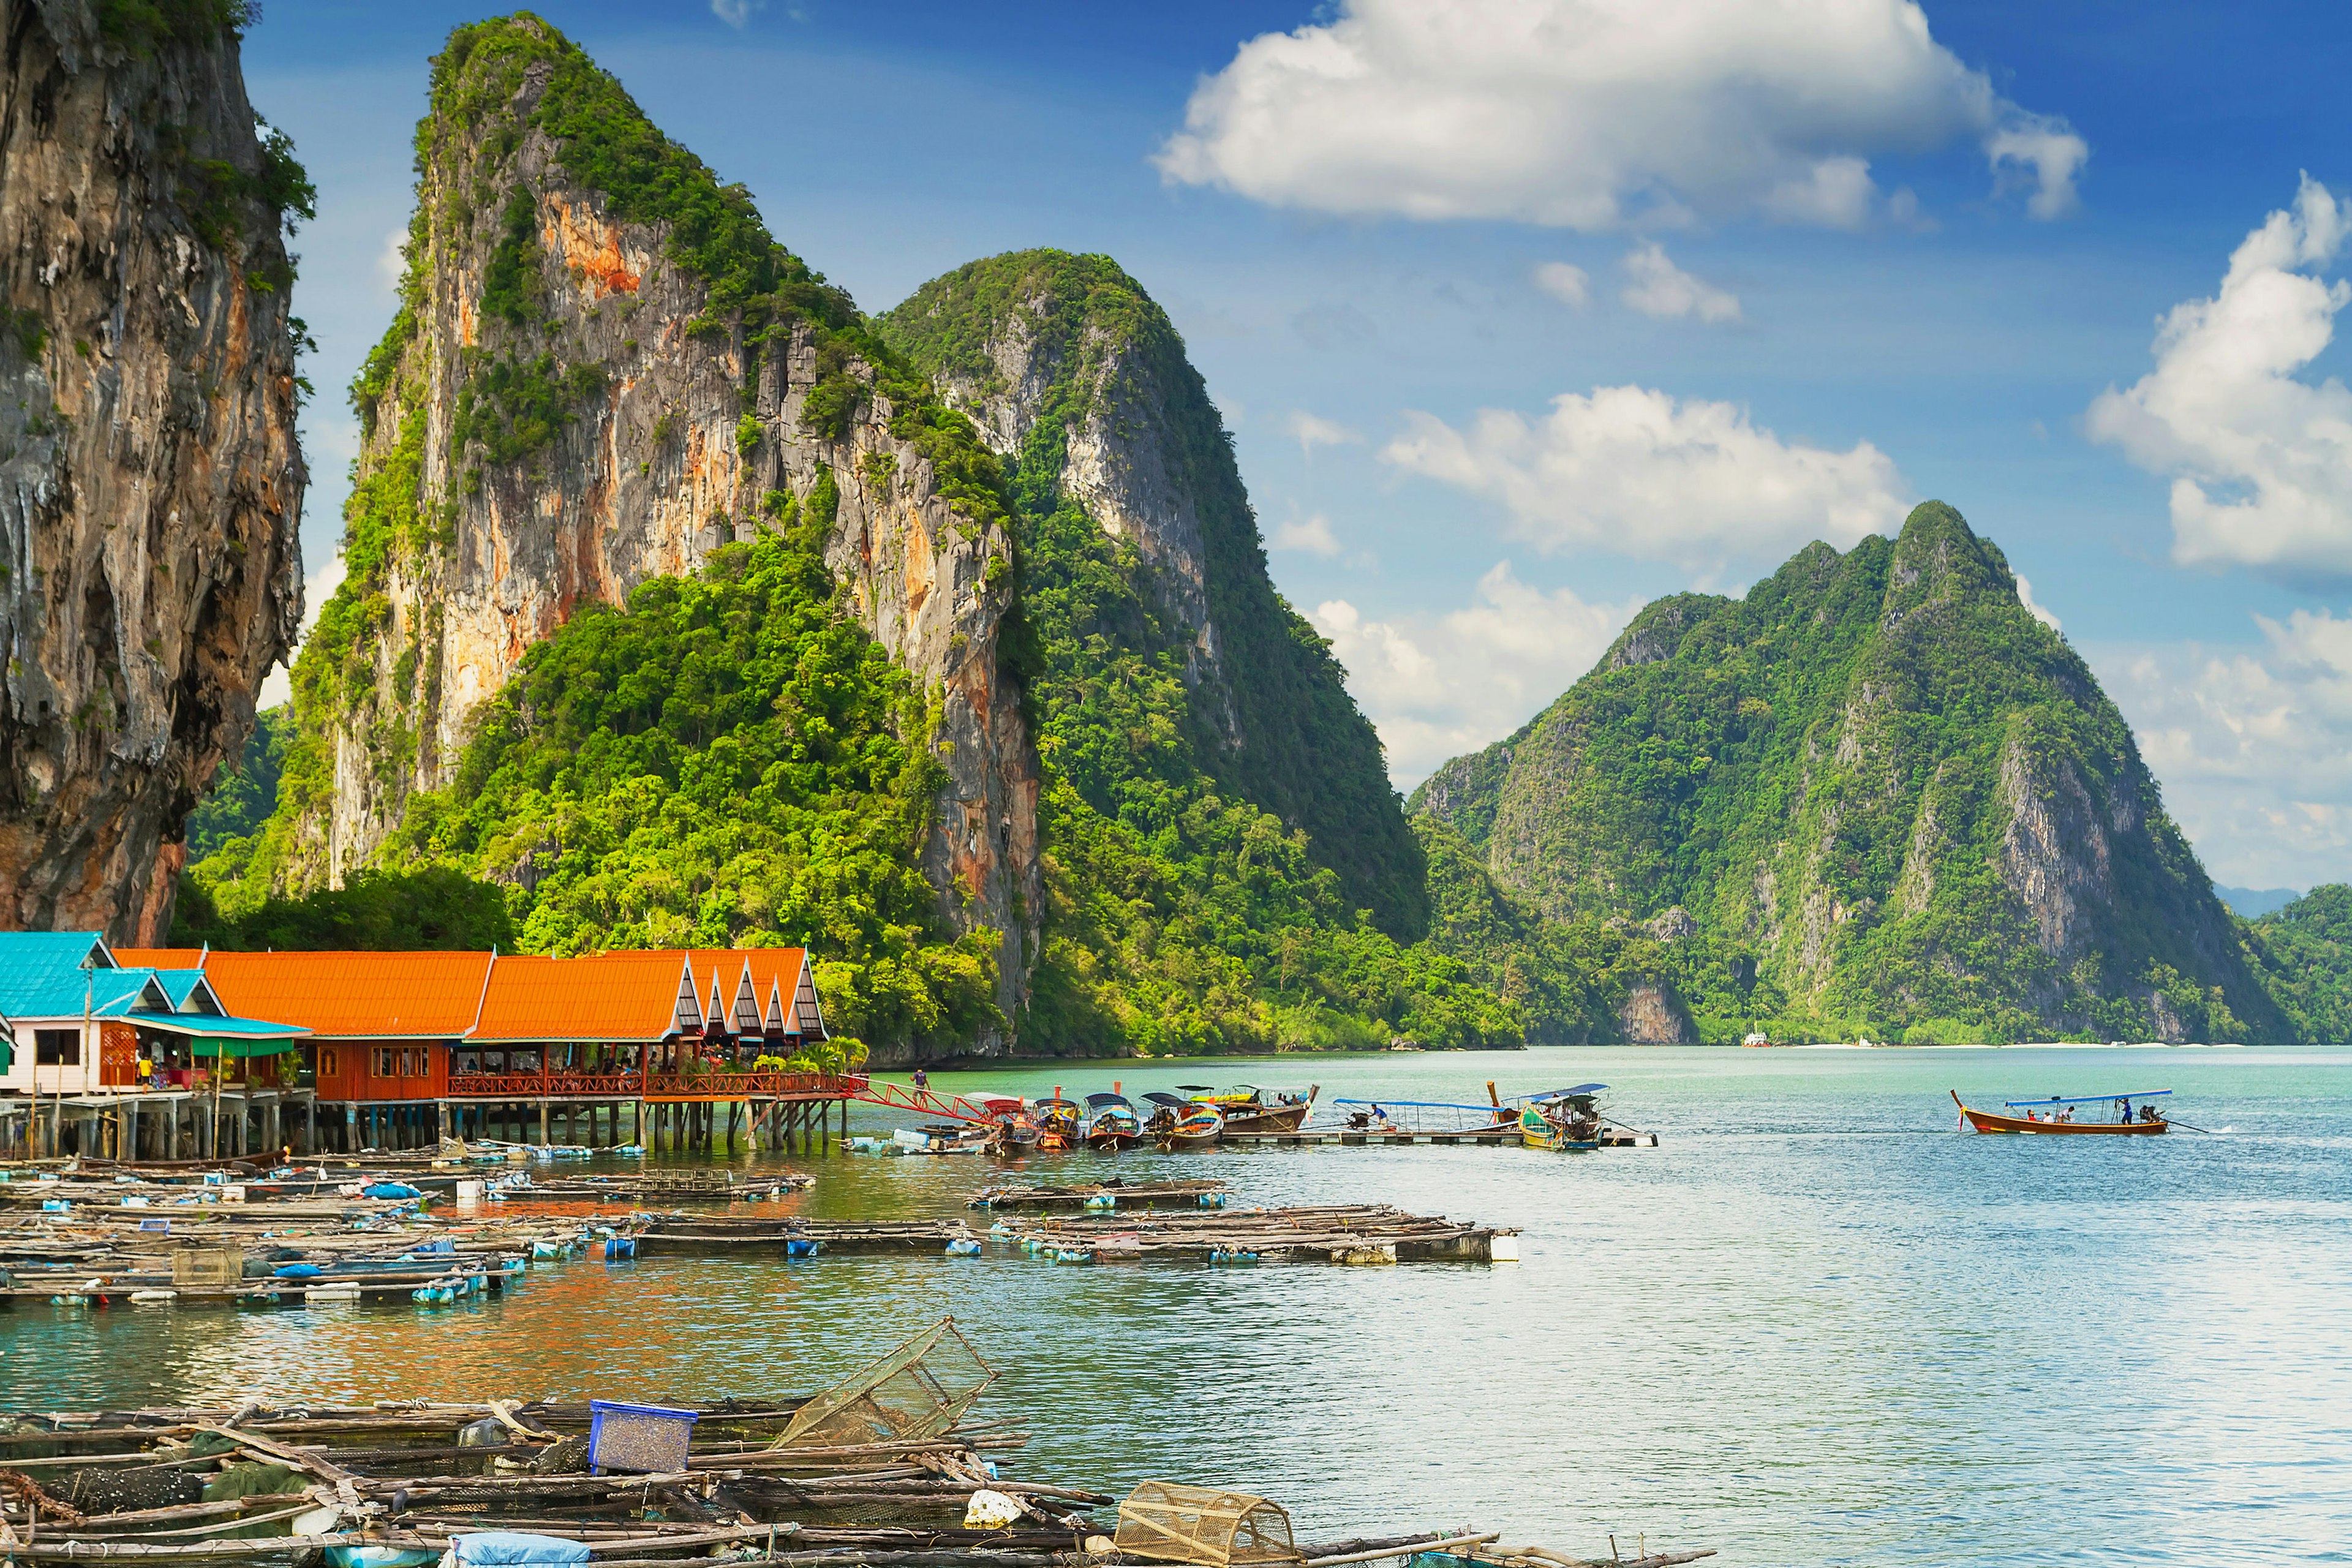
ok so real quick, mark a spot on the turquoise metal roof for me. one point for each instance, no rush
(43, 972)
(59, 974)
(216, 1025)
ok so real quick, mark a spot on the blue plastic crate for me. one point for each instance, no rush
(646, 1438)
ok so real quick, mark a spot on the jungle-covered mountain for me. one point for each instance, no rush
(1891, 798)
(682, 606)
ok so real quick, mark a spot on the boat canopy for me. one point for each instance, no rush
(1416, 1104)
(1096, 1101)
(1160, 1097)
(2088, 1098)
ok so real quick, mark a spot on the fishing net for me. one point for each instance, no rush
(918, 1391)
(1193, 1524)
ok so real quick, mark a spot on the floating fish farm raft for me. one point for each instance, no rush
(1102, 1232)
(886, 1469)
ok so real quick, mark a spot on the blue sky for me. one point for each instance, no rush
(1525, 312)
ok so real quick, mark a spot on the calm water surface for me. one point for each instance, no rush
(1817, 1326)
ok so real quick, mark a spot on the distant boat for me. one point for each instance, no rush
(1111, 1123)
(2147, 1120)
(1249, 1108)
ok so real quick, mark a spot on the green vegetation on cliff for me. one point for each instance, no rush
(1226, 865)
(1880, 785)
(2304, 954)
(1272, 721)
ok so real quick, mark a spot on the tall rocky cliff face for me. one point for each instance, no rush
(1877, 772)
(603, 371)
(150, 484)
(1080, 384)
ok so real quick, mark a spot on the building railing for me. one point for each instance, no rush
(715, 1084)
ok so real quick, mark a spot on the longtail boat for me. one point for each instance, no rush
(1248, 1108)
(1111, 1123)
(1565, 1119)
(1179, 1124)
(2145, 1122)
(1058, 1123)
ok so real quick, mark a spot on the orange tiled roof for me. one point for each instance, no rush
(606, 996)
(353, 995)
(771, 967)
(159, 957)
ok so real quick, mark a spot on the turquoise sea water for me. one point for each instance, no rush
(1817, 1326)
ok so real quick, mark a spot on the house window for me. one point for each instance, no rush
(326, 1064)
(386, 1063)
(57, 1047)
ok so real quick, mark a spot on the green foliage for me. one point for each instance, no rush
(1185, 912)
(1850, 774)
(436, 907)
(1306, 753)
(139, 26)
(2304, 954)
(512, 288)
(245, 794)
(511, 408)
(747, 433)
(725, 762)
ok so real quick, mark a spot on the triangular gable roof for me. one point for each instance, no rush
(743, 1016)
(605, 997)
(808, 1016)
(354, 996)
(772, 1017)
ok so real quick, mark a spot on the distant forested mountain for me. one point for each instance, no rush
(1888, 799)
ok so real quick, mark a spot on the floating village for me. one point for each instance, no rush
(189, 1130)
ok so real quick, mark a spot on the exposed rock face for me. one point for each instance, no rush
(150, 484)
(677, 425)
(1648, 1019)
(1879, 772)
(1072, 372)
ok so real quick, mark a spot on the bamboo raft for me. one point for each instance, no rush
(1335, 1233)
(1145, 1195)
(107, 1257)
(1338, 1233)
(761, 1482)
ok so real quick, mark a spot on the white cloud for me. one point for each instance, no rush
(1571, 286)
(1591, 114)
(1313, 431)
(737, 14)
(2254, 747)
(2261, 462)
(1436, 687)
(1630, 469)
(1311, 535)
(391, 262)
(2042, 154)
(1661, 290)
(2025, 597)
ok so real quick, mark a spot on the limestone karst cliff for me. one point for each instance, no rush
(1881, 784)
(603, 371)
(1081, 387)
(149, 482)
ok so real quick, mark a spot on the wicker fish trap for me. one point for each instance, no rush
(1194, 1524)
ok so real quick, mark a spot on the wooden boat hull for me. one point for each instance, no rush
(1112, 1143)
(1990, 1122)
(1271, 1118)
